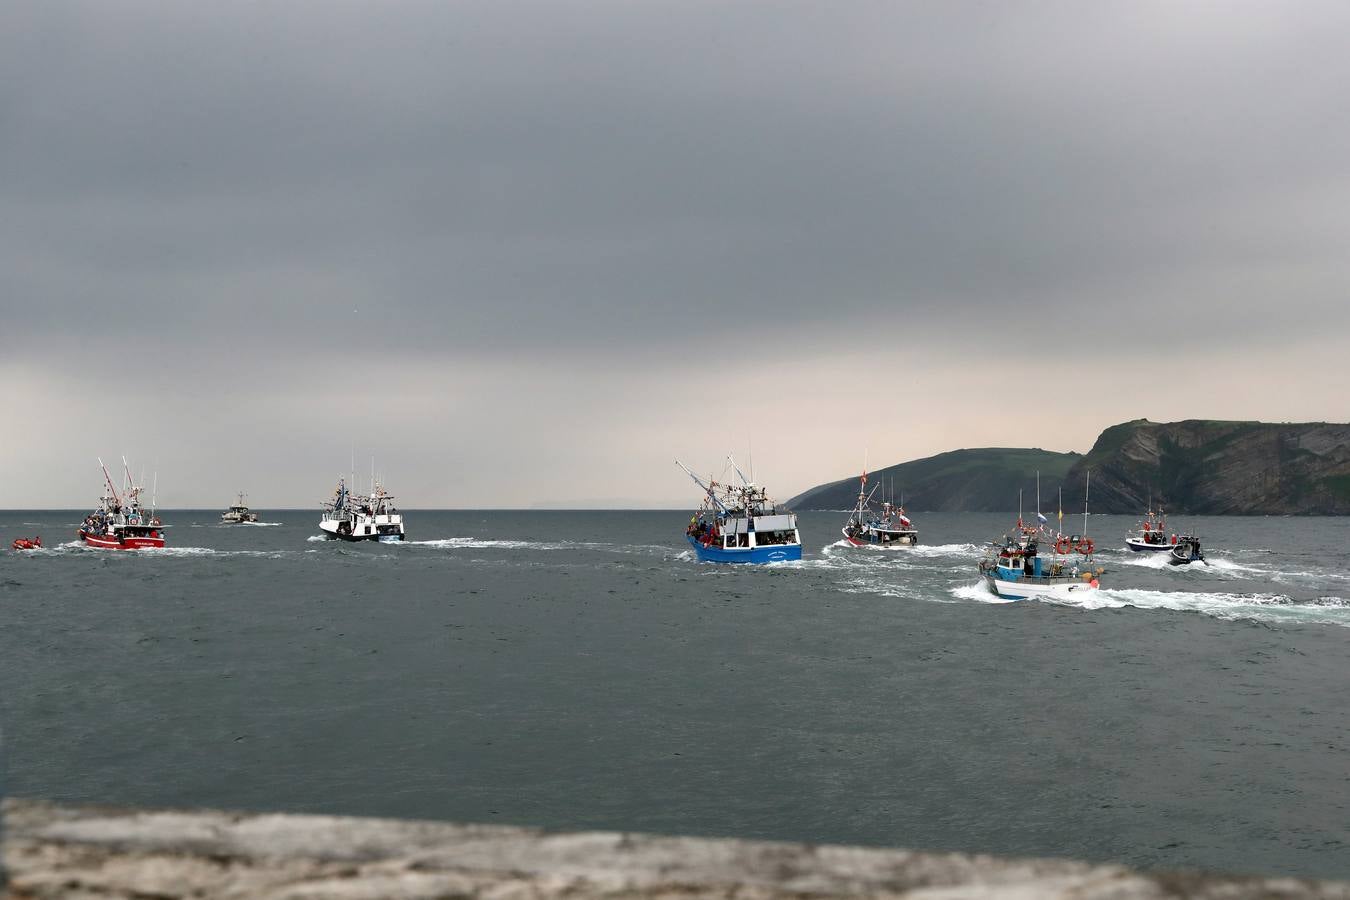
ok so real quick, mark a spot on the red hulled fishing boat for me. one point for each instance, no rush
(120, 523)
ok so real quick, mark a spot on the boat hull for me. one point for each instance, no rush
(908, 539)
(357, 538)
(1139, 546)
(331, 529)
(1029, 590)
(770, 554)
(125, 542)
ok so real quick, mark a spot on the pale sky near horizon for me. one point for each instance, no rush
(529, 253)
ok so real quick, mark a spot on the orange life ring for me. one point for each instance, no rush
(1085, 546)
(1063, 545)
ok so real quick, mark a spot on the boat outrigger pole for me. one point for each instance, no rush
(699, 481)
(108, 478)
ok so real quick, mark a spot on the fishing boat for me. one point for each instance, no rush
(1014, 569)
(740, 524)
(120, 522)
(885, 528)
(238, 514)
(356, 517)
(1185, 550)
(1151, 535)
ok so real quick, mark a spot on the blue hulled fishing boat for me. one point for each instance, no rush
(740, 524)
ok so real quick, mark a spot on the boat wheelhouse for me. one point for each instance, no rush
(238, 514)
(354, 517)
(886, 528)
(740, 524)
(119, 522)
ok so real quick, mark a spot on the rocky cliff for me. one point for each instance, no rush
(1206, 467)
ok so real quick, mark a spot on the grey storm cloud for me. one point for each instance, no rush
(583, 181)
(592, 172)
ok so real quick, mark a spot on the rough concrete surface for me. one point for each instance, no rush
(109, 854)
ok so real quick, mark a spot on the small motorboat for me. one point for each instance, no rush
(1185, 551)
(27, 543)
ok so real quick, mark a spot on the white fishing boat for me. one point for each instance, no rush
(1014, 569)
(885, 527)
(740, 524)
(238, 514)
(1151, 535)
(356, 517)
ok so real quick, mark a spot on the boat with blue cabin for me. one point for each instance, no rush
(740, 524)
(1014, 569)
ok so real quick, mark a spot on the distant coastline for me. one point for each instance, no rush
(1197, 467)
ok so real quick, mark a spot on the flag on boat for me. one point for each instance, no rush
(904, 520)
(1044, 520)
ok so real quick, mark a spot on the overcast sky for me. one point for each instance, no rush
(530, 252)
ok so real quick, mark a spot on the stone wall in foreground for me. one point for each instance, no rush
(111, 854)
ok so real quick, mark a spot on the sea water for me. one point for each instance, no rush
(581, 670)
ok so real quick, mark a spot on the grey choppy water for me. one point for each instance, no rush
(579, 670)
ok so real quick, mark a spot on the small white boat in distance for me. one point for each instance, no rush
(353, 517)
(238, 514)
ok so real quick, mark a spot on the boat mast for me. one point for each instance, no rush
(1086, 488)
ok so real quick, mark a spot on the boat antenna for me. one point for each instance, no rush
(745, 481)
(1038, 498)
(1019, 507)
(154, 492)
